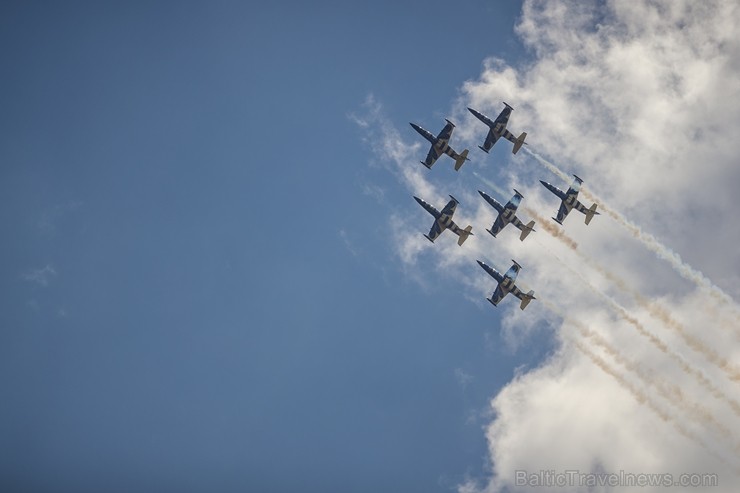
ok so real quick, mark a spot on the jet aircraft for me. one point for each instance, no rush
(443, 220)
(441, 146)
(506, 285)
(497, 129)
(507, 214)
(569, 200)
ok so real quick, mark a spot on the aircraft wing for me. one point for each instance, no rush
(491, 139)
(562, 212)
(450, 207)
(446, 132)
(435, 231)
(431, 157)
(498, 225)
(503, 117)
(497, 295)
(575, 186)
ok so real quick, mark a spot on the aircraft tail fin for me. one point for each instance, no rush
(526, 229)
(591, 213)
(464, 235)
(526, 299)
(519, 142)
(461, 159)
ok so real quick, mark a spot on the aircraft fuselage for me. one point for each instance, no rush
(554, 189)
(440, 145)
(508, 215)
(444, 220)
(429, 208)
(497, 126)
(507, 284)
(424, 133)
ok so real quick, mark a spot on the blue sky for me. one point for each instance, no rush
(196, 292)
(213, 274)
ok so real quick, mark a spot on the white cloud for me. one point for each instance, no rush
(642, 100)
(40, 276)
(348, 243)
(463, 378)
(52, 215)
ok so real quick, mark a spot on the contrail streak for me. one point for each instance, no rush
(656, 341)
(643, 398)
(552, 229)
(669, 392)
(651, 242)
(658, 312)
(653, 308)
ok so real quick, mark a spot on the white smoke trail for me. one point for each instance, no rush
(643, 398)
(658, 312)
(655, 340)
(669, 392)
(651, 242)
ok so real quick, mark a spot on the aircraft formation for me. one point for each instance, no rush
(506, 213)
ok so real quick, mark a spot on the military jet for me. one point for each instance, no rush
(440, 146)
(507, 214)
(497, 129)
(506, 285)
(569, 200)
(443, 220)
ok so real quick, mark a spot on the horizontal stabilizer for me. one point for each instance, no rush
(526, 229)
(491, 301)
(591, 213)
(464, 235)
(482, 149)
(427, 166)
(555, 219)
(491, 232)
(519, 142)
(461, 160)
(428, 238)
(526, 299)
